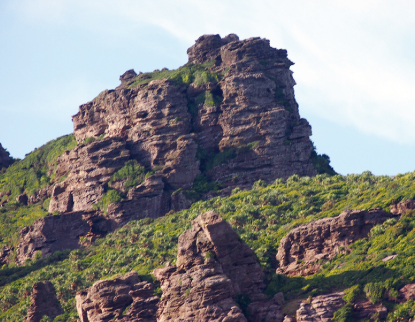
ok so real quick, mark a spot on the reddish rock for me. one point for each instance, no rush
(302, 248)
(258, 108)
(5, 252)
(320, 308)
(407, 292)
(56, 233)
(364, 309)
(164, 124)
(402, 207)
(123, 298)
(88, 169)
(43, 302)
(214, 268)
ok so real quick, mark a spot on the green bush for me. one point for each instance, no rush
(111, 196)
(261, 217)
(132, 172)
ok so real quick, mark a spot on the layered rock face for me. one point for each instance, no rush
(251, 114)
(43, 302)
(321, 308)
(55, 233)
(5, 159)
(302, 248)
(124, 299)
(229, 114)
(214, 271)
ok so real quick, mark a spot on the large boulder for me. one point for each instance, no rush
(125, 298)
(43, 302)
(302, 248)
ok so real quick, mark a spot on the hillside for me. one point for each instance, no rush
(197, 195)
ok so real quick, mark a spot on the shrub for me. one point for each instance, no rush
(111, 196)
(132, 172)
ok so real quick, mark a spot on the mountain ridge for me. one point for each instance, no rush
(276, 234)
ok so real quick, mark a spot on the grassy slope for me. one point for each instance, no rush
(28, 176)
(261, 217)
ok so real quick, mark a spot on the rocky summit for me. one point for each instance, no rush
(162, 140)
(196, 194)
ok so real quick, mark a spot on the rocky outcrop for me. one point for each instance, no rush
(56, 233)
(302, 248)
(123, 298)
(216, 278)
(252, 115)
(402, 207)
(43, 302)
(363, 309)
(88, 169)
(320, 308)
(5, 252)
(407, 293)
(230, 115)
(5, 159)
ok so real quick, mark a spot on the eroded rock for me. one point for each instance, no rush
(302, 248)
(320, 308)
(56, 233)
(214, 269)
(43, 302)
(124, 298)
(364, 309)
(402, 207)
(236, 126)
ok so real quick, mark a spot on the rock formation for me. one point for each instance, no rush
(162, 124)
(302, 248)
(124, 298)
(55, 233)
(215, 272)
(228, 114)
(217, 278)
(403, 207)
(43, 302)
(363, 309)
(320, 308)
(5, 159)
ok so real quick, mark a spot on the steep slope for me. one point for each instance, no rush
(163, 140)
(367, 271)
(227, 117)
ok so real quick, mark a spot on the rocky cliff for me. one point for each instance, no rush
(229, 115)
(162, 140)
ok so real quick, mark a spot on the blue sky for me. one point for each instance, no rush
(354, 65)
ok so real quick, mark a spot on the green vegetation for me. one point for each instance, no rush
(28, 176)
(261, 217)
(321, 162)
(208, 99)
(111, 196)
(133, 172)
(187, 74)
(208, 161)
(33, 173)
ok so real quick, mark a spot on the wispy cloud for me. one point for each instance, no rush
(350, 57)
